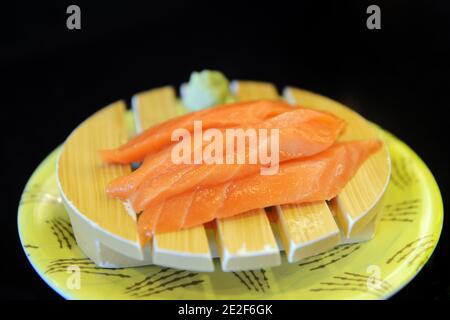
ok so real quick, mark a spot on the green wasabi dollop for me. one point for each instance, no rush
(206, 89)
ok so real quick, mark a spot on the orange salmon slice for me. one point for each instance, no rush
(306, 132)
(302, 132)
(157, 137)
(316, 178)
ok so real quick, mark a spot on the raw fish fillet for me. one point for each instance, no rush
(303, 132)
(157, 137)
(316, 178)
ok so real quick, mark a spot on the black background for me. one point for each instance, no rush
(53, 78)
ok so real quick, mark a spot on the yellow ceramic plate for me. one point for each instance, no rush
(407, 235)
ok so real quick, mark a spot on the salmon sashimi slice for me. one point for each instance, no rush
(302, 132)
(320, 178)
(316, 178)
(307, 132)
(157, 137)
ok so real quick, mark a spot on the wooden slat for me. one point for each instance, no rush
(254, 90)
(247, 241)
(369, 230)
(187, 249)
(307, 230)
(83, 176)
(362, 193)
(153, 106)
